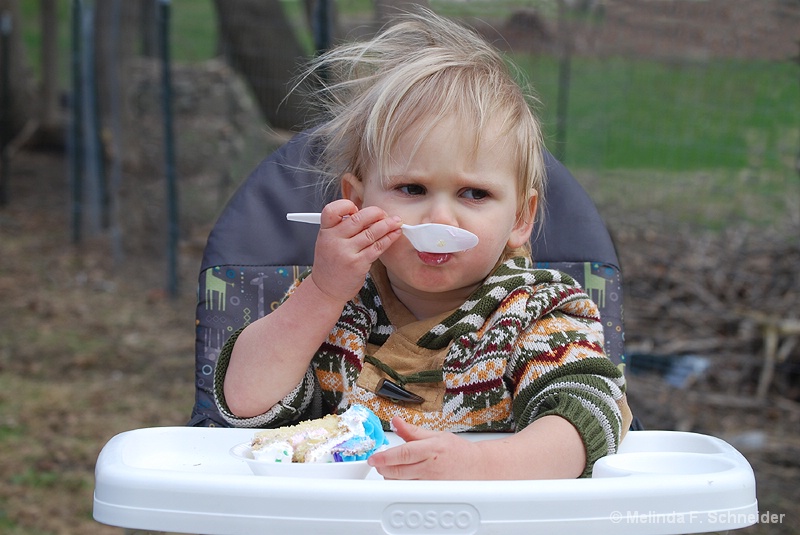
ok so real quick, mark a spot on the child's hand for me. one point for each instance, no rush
(429, 455)
(349, 241)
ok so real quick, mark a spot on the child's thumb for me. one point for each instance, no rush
(410, 432)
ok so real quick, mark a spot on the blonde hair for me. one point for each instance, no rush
(417, 71)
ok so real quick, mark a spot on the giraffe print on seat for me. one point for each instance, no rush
(594, 283)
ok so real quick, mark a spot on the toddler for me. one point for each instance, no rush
(426, 124)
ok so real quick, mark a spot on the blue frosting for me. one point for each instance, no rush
(353, 449)
(374, 430)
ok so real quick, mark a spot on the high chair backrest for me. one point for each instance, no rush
(253, 254)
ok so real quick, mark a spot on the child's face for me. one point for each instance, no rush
(444, 181)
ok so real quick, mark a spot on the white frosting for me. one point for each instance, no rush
(354, 419)
(276, 452)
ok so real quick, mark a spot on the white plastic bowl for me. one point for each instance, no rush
(344, 470)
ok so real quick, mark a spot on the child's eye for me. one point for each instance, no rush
(412, 189)
(475, 194)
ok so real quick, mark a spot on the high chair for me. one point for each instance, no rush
(186, 479)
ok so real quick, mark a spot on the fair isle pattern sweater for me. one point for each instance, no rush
(528, 343)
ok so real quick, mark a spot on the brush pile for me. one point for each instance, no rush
(715, 295)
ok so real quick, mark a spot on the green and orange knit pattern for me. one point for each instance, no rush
(528, 343)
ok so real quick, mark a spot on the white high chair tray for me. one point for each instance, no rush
(183, 479)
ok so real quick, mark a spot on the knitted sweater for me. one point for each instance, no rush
(527, 343)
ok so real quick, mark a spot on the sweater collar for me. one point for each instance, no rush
(438, 332)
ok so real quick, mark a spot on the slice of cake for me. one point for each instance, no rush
(352, 436)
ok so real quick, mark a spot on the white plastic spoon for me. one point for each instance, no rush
(426, 238)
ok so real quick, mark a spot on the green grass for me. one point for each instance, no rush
(710, 144)
(627, 114)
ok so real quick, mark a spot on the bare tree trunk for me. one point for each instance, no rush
(258, 40)
(117, 35)
(120, 27)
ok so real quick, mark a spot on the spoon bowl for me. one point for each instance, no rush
(438, 238)
(426, 238)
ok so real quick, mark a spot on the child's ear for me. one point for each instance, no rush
(521, 232)
(353, 189)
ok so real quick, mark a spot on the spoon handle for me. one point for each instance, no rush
(311, 217)
(304, 217)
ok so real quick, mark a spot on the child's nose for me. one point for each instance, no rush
(441, 212)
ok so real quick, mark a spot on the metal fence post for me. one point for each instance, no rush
(169, 149)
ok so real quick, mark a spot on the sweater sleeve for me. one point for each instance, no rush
(561, 369)
(295, 406)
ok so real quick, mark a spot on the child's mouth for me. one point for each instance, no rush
(434, 259)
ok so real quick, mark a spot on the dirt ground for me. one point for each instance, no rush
(88, 349)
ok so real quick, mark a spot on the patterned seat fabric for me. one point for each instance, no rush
(253, 254)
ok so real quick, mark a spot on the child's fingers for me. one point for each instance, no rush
(407, 460)
(410, 432)
(372, 231)
(370, 226)
(336, 211)
(399, 462)
(377, 247)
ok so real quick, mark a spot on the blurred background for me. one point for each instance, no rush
(126, 125)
